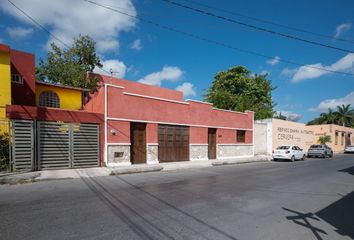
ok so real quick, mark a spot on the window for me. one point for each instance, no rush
(16, 78)
(342, 139)
(241, 136)
(49, 99)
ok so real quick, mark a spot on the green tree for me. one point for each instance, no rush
(325, 118)
(237, 89)
(345, 115)
(70, 66)
(324, 139)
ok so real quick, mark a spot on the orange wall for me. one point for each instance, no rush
(198, 135)
(151, 133)
(125, 106)
(122, 130)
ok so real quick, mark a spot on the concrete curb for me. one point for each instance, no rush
(66, 174)
(261, 158)
(19, 178)
(134, 169)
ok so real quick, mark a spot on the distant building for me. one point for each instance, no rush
(271, 133)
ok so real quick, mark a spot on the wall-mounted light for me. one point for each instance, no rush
(113, 132)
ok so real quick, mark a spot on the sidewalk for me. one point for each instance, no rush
(18, 178)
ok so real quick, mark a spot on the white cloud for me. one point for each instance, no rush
(341, 29)
(167, 73)
(290, 115)
(119, 68)
(187, 88)
(67, 18)
(136, 45)
(18, 32)
(333, 103)
(311, 71)
(274, 61)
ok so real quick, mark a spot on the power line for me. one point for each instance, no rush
(271, 22)
(213, 41)
(46, 30)
(251, 26)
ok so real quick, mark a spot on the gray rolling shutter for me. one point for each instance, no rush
(54, 145)
(85, 143)
(22, 145)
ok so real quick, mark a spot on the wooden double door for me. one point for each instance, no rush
(173, 143)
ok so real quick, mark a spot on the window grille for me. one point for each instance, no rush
(49, 99)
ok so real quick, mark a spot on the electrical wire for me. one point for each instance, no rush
(158, 25)
(251, 26)
(271, 22)
(47, 31)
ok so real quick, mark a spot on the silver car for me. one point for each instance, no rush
(349, 149)
(320, 151)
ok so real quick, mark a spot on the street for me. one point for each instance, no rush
(311, 199)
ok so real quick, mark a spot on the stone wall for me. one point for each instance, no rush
(122, 157)
(152, 153)
(198, 152)
(225, 151)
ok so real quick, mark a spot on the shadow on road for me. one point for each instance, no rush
(149, 226)
(349, 170)
(339, 214)
(302, 220)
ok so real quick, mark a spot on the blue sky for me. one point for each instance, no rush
(145, 53)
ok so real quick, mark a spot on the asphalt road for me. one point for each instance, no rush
(312, 199)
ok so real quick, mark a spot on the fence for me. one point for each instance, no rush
(5, 146)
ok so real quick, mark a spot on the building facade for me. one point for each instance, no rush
(271, 133)
(149, 124)
(123, 123)
(340, 136)
(47, 124)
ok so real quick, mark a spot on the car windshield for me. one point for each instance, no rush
(316, 146)
(283, 147)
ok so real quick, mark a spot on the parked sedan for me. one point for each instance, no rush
(319, 151)
(349, 149)
(288, 152)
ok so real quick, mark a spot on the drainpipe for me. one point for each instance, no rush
(105, 125)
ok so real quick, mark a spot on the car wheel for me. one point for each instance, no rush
(303, 157)
(292, 159)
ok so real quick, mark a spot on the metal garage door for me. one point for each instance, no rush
(173, 143)
(67, 145)
(85, 144)
(23, 145)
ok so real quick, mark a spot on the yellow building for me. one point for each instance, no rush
(58, 96)
(5, 85)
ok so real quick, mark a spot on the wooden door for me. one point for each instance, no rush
(211, 143)
(173, 143)
(138, 142)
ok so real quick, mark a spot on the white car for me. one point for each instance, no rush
(349, 149)
(289, 152)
